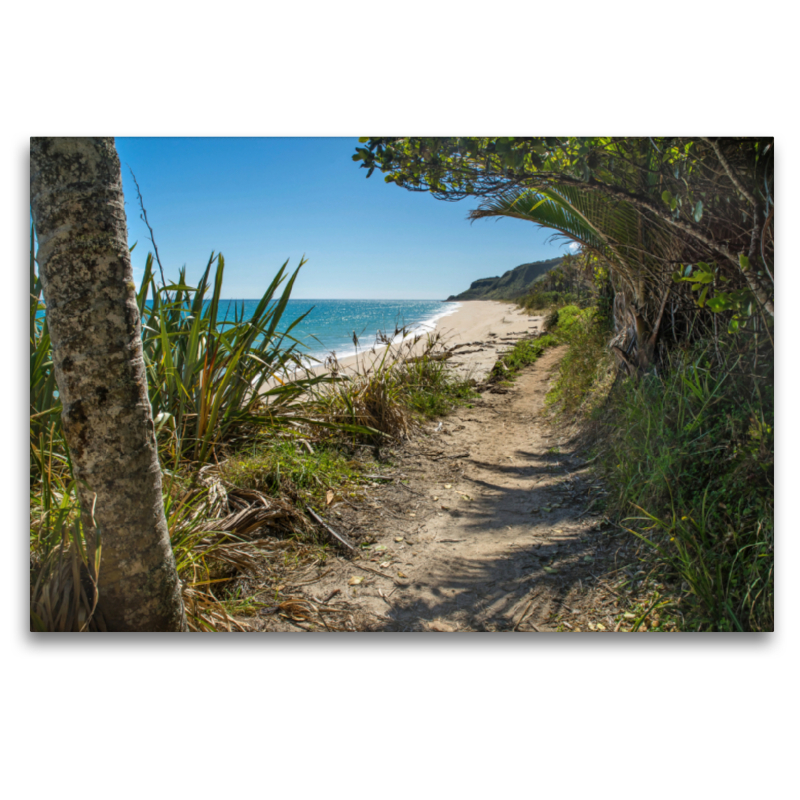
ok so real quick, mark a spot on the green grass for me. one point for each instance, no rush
(687, 457)
(585, 365)
(689, 463)
(285, 467)
(522, 354)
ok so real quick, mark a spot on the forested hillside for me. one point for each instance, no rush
(510, 285)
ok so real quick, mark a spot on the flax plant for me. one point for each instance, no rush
(211, 376)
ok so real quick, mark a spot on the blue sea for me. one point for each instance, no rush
(332, 325)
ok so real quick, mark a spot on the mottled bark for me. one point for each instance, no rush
(84, 262)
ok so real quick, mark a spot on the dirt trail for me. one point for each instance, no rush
(482, 525)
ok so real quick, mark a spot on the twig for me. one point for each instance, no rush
(369, 569)
(586, 510)
(339, 537)
(332, 594)
(459, 455)
(307, 583)
(144, 219)
(409, 489)
(519, 621)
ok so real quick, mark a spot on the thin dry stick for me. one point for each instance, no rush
(369, 569)
(519, 621)
(332, 594)
(144, 219)
(339, 537)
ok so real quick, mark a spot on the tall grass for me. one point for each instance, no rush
(585, 368)
(389, 397)
(687, 455)
(691, 456)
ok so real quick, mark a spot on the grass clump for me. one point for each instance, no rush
(692, 454)
(286, 468)
(585, 368)
(522, 354)
(431, 388)
(213, 375)
(387, 399)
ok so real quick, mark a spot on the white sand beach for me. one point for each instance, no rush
(490, 325)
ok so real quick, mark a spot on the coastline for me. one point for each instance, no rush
(488, 323)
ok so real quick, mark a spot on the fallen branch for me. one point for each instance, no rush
(524, 613)
(339, 537)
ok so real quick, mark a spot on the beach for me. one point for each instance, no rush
(489, 325)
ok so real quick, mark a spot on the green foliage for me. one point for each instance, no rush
(694, 453)
(638, 204)
(738, 306)
(211, 377)
(539, 300)
(522, 354)
(282, 467)
(586, 362)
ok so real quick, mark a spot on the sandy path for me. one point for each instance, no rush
(484, 524)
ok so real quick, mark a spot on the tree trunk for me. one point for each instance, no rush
(85, 267)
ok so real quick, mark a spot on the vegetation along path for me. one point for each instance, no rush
(484, 524)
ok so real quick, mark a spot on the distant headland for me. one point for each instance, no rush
(510, 285)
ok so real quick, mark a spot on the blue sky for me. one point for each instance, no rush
(259, 201)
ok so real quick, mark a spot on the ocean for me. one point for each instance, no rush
(332, 324)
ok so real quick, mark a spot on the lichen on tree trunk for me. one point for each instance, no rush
(85, 267)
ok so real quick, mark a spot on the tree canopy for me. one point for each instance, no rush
(671, 200)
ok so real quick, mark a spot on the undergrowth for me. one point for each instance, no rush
(388, 399)
(289, 468)
(538, 300)
(522, 354)
(689, 462)
(687, 456)
(247, 440)
(586, 366)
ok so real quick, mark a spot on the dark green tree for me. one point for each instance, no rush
(677, 200)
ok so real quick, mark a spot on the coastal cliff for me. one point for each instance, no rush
(509, 285)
